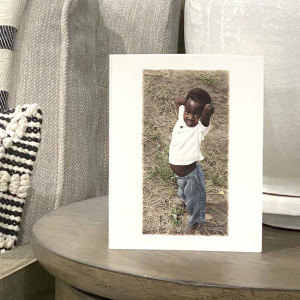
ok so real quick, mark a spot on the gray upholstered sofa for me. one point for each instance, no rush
(61, 62)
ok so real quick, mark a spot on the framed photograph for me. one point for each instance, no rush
(186, 145)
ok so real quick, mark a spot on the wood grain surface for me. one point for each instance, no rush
(65, 291)
(72, 244)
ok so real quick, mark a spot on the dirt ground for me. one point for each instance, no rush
(160, 214)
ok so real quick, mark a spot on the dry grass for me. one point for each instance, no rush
(160, 216)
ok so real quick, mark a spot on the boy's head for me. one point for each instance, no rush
(196, 99)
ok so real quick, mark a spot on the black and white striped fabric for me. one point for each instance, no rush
(10, 16)
(20, 136)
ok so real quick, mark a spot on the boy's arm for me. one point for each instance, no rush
(207, 112)
(179, 100)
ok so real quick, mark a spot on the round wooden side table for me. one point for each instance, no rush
(72, 244)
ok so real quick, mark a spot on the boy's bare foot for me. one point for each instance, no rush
(177, 201)
(208, 217)
(191, 229)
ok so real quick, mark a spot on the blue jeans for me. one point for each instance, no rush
(192, 192)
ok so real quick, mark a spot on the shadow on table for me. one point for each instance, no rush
(275, 239)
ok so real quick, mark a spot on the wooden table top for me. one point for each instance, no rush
(72, 244)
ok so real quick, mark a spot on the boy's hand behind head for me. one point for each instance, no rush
(208, 109)
(179, 100)
(207, 112)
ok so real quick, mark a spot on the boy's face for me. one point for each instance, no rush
(192, 112)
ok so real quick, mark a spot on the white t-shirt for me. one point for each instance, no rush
(185, 146)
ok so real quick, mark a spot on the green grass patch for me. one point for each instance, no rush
(161, 169)
(176, 215)
(206, 79)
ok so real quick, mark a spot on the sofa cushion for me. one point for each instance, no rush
(61, 62)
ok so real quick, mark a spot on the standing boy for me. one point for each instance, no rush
(195, 111)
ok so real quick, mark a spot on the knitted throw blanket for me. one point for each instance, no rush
(10, 15)
(20, 133)
(20, 136)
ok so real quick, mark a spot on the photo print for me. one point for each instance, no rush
(163, 210)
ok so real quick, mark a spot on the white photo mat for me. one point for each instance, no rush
(245, 152)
